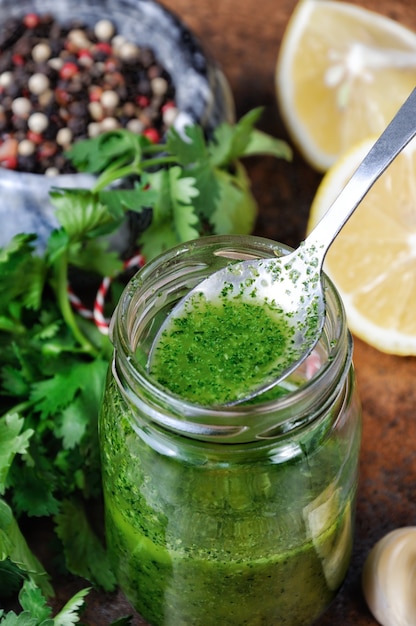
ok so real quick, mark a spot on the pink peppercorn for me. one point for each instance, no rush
(104, 47)
(62, 97)
(95, 93)
(142, 101)
(168, 105)
(10, 163)
(85, 56)
(68, 70)
(110, 65)
(8, 152)
(47, 150)
(35, 137)
(31, 20)
(152, 134)
(18, 60)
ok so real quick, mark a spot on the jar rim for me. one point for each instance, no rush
(243, 422)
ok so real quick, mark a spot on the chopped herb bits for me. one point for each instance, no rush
(215, 351)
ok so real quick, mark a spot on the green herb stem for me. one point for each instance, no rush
(136, 168)
(158, 161)
(66, 309)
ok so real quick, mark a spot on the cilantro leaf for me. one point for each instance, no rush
(85, 555)
(261, 143)
(8, 324)
(16, 251)
(53, 394)
(57, 245)
(157, 238)
(188, 150)
(69, 614)
(75, 418)
(22, 274)
(162, 208)
(184, 217)
(236, 207)
(13, 546)
(12, 441)
(81, 213)
(174, 219)
(94, 256)
(11, 578)
(207, 182)
(36, 612)
(136, 199)
(230, 141)
(23, 619)
(34, 602)
(72, 424)
(33, 484)
(184, 220)
(99, 153)
(182, 187)
(160, 235)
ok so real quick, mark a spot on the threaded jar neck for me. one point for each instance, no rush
(307, 394)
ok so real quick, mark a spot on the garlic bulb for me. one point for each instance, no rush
(389, 578)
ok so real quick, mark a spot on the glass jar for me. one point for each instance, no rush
(241, 515)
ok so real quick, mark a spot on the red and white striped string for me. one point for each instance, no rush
(78, 305)
(97, 313)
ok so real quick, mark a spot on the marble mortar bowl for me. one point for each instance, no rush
(202, 95)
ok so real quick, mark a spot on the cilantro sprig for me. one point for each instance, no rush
(53, 362)
(193, 186)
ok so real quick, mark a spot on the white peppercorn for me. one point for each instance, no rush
(26, 147)
(104, 30)
(110, 99)
(135, 126)
(64, 136)
(38, 122)
(6, 79)
(159, 86)
(109, 123)
(41, 52)
(21, 107)
(96, 111)
(169, 115)
(38, 83)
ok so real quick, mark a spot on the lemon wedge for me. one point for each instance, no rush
(373, 259)
(342, 73)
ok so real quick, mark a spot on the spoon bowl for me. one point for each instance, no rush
(291, 285)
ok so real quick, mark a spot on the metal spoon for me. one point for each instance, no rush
(294, 280)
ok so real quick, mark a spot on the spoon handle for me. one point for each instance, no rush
(395, 137)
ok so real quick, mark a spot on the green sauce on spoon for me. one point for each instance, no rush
(212, 351)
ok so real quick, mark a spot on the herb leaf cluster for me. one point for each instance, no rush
(53, 362)
(194, 187)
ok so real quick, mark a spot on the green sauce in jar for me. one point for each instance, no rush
(231, 517)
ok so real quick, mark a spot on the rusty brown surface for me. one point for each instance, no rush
(244, 36)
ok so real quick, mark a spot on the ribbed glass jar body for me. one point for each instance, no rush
(231, 517)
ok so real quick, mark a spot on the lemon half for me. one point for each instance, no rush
(373, 259)
(342, 73)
